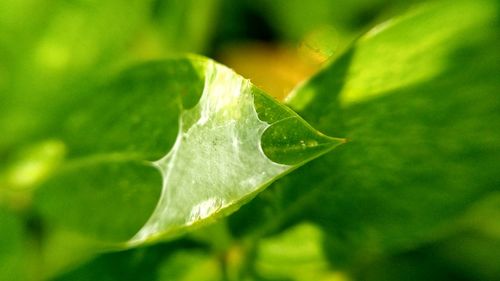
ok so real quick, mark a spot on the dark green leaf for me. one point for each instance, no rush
(417, 98)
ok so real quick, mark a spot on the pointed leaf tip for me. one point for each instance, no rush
(292, 141)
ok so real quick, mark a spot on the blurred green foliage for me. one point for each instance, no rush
(413, 85)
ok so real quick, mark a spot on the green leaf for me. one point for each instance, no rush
(157, 150)
(190, 266)
(417, 98)
(295, 254)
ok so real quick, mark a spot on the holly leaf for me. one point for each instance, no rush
(157, 150)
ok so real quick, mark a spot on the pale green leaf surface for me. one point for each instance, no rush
(417, 98)
(223, 130)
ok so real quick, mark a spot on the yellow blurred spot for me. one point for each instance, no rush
(235, 260)
(335, 276)
(274, 69)
(35, 164)
(52, 56)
